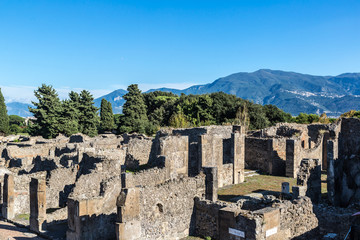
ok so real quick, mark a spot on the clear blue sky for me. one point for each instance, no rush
(105, 45)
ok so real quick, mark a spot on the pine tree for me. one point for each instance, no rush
(70, 115)
(88, 118)
(134, 110)
(106, 116)
(47, 112)
(4, 118)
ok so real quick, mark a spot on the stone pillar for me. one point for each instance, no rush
(128, 225)
(211, 183)
(8, 210)
(238, 154)
(37, 204)
(79, 212)
(330, 171)
(299, 191)
(227, 224)
(310, 176)
(292, 157)
(285, 187)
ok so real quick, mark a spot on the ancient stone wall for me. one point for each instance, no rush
(175, 149)
(225, 174)
(193, 134)
(266, 154)
(346, 178)
(149, 177)
(165, 211)
(22, 191)
(86, 221)
(138, 150)
(59, 185)
(281, 220)
(172, 204)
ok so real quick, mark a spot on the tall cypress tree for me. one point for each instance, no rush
(106, 116)
(134, 110)
(47, 112)
(88, 118)
(4, 118)
(70, 115)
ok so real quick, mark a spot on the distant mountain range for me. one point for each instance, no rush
(290, 91)
(20, 109)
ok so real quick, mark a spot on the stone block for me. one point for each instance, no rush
(299, 191)
(8, 206)
(285, 187)
(128, 231)
(37, 204)
(128, 204)
(211, 183)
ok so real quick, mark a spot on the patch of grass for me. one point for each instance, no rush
(22, 217)
(261, 183)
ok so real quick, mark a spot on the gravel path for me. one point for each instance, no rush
(9, 231)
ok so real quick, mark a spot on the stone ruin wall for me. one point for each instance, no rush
(293, 218)
(164, 211)
(344, 185)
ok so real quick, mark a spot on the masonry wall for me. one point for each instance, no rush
(295, 218)
(193, 134)
(175, 149)
(266, 154)
(346, 167)
(22, 192)
(59, 185)
(171, 208)
(149, 177)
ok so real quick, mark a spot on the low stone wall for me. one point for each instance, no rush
(225, 175)
(138, 149)
(165, 211)
(59, 185)
(149, 177)
(22, 192)
(283, 219)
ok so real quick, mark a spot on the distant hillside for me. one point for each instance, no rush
(115, 98)
(290, 91)
(20, 109)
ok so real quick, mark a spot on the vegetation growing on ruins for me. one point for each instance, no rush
(4, 119)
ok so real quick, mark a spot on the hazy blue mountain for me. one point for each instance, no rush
(115, 98)
(290, 91)
(20, 109)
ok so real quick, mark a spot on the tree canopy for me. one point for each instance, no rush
(4, 118)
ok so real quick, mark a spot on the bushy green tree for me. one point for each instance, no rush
(17, 120)
(47, 112)
(276, 115)
(88, 118)
(178, 119)
(134, 110)
(106, 116)
(4, 119)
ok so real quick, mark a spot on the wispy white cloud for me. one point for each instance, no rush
(25, 94)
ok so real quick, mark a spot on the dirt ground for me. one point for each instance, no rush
(9, 231)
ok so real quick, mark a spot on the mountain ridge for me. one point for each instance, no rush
(291, 91)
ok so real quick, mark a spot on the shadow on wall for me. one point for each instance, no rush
(92, 227)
